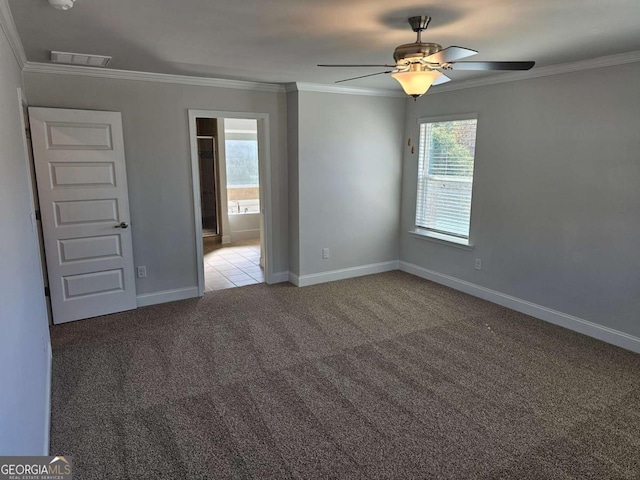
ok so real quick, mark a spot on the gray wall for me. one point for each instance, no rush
(349, 176)
(24, 332)
(556, 198)
(157, 151)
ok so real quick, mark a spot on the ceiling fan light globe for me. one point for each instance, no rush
(61, 4)
(416, 83)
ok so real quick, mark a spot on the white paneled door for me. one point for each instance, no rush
(84, 204)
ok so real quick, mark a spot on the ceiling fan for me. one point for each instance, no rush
(419, 65)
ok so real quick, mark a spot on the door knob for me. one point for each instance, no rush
(122, 225)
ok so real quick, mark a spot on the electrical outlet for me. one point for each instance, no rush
(142, 272)
(325, 253)
(478, 264)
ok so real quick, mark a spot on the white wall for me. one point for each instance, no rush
(349, 175)
(155, 122)
(556, 198)
(24, 332)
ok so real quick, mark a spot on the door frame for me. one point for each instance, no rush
(34, 206)
(264, 169)
(39, 248)
(216, 180)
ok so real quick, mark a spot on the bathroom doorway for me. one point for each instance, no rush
(230, 158)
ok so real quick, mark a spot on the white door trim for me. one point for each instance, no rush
(22, 103)
(264, 158)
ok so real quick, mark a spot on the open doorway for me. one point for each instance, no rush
(230, 162)
(236, 262)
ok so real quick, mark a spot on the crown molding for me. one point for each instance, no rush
(54, 69)
(581, 65)
(8, 26)
(6, 22)
(321, 88)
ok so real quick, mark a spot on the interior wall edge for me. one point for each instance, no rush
(25, 362)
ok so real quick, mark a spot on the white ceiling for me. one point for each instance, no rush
(282, 40)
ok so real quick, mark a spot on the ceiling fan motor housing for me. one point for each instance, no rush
(419, 65)
(405, 54)
(419, 23)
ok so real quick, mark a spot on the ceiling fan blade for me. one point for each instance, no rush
(356, 66)
(363, 76)
(492, 65)
(441, 79)
(450, 54)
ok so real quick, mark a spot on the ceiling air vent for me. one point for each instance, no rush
(80, 59)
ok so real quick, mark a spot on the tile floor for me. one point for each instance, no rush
(232, 265)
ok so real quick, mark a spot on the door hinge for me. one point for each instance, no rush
(37, 214)
(47, 292)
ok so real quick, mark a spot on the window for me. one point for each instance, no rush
(243, 185)
(445, 179)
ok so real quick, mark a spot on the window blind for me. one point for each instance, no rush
(445, 176)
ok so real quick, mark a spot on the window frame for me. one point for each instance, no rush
(440, 237)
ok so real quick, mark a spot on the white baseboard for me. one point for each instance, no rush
(279, 277)
(165, 296)
(315, 278)
(47, 405)
(226, 239)
(576, 324)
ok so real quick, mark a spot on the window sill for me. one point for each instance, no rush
(442, 239)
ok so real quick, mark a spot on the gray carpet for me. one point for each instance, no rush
(385, 376)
